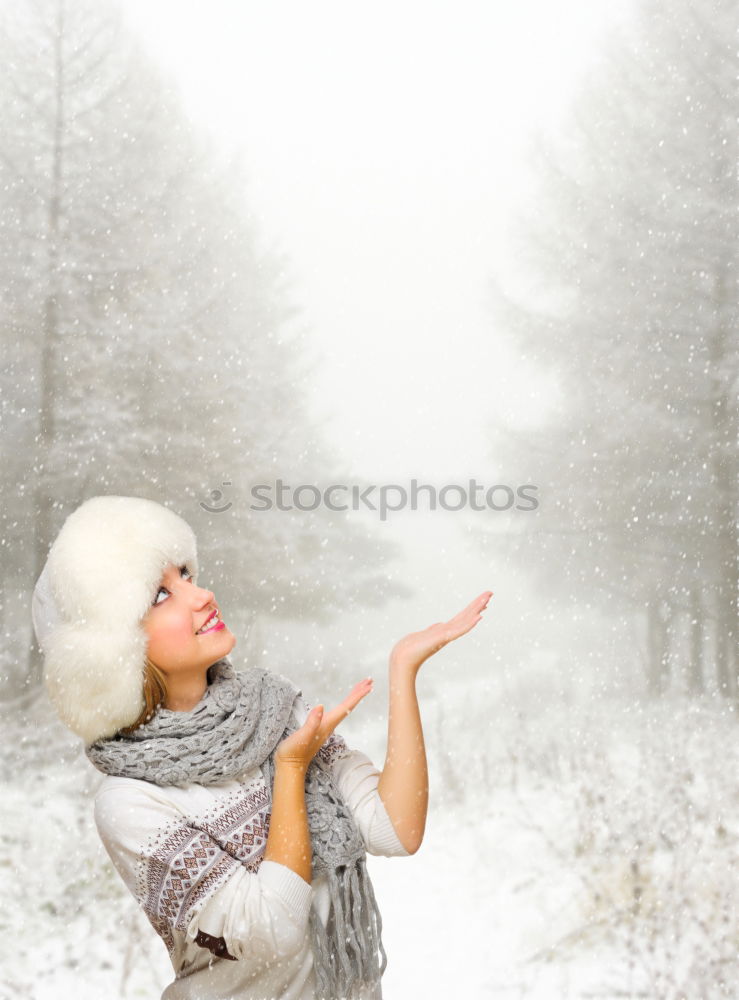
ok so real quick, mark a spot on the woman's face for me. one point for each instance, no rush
(174, 621)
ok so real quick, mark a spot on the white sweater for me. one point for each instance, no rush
(191, 856)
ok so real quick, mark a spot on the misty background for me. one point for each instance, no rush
(326, 244)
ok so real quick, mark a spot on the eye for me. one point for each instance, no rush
(183, 570)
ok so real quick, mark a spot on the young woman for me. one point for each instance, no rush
(236, 816)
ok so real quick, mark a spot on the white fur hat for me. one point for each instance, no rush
(100, 579)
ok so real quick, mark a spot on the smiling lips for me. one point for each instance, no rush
(215, 617)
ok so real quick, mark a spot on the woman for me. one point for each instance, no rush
(234, 813)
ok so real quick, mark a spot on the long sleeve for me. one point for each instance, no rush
(357, 779)
(186, 882)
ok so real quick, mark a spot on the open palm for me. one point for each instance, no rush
(413, 649)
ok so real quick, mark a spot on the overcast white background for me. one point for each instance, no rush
(386, 146)
(386, 150)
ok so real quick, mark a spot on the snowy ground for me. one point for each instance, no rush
(570, 852)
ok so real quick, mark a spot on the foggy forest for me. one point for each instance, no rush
(583, 833)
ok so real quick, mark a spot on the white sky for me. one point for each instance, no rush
(385, 144)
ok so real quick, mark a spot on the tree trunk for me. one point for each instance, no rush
(43, 500)
(696, 683)
(724, 421)
(657, 651)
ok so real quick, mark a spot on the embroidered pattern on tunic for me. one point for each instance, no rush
(177, 876)
(240, 824)
(190, 858)
(333, 749)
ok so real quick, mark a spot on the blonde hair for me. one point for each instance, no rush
(155, 693)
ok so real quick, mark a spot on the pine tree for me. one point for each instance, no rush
(631, 250)
(151, 344)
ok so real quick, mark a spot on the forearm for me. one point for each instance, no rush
(403, 784)
(288, 841)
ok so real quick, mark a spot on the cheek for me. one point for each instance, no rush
(168, 634)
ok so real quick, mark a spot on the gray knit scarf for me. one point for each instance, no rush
(235, 727)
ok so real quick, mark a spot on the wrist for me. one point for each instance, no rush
(290, 768)
(400, 668)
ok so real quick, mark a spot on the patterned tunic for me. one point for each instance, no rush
(234, 925)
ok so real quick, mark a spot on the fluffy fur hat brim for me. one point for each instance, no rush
(96, 694)
(103, 572)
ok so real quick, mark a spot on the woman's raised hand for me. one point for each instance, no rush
(300, 747)
(412, 650)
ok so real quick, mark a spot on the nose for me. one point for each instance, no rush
(204, 597)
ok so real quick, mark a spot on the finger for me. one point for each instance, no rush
(331, 719)
(462, 624)
(314, 719)
(474, 607)
(310, 733)
(479, 603)
(357, 693)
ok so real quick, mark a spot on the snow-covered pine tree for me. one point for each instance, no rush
(630, 250)
(151, 345)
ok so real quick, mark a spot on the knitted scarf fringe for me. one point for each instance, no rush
(342, 976)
